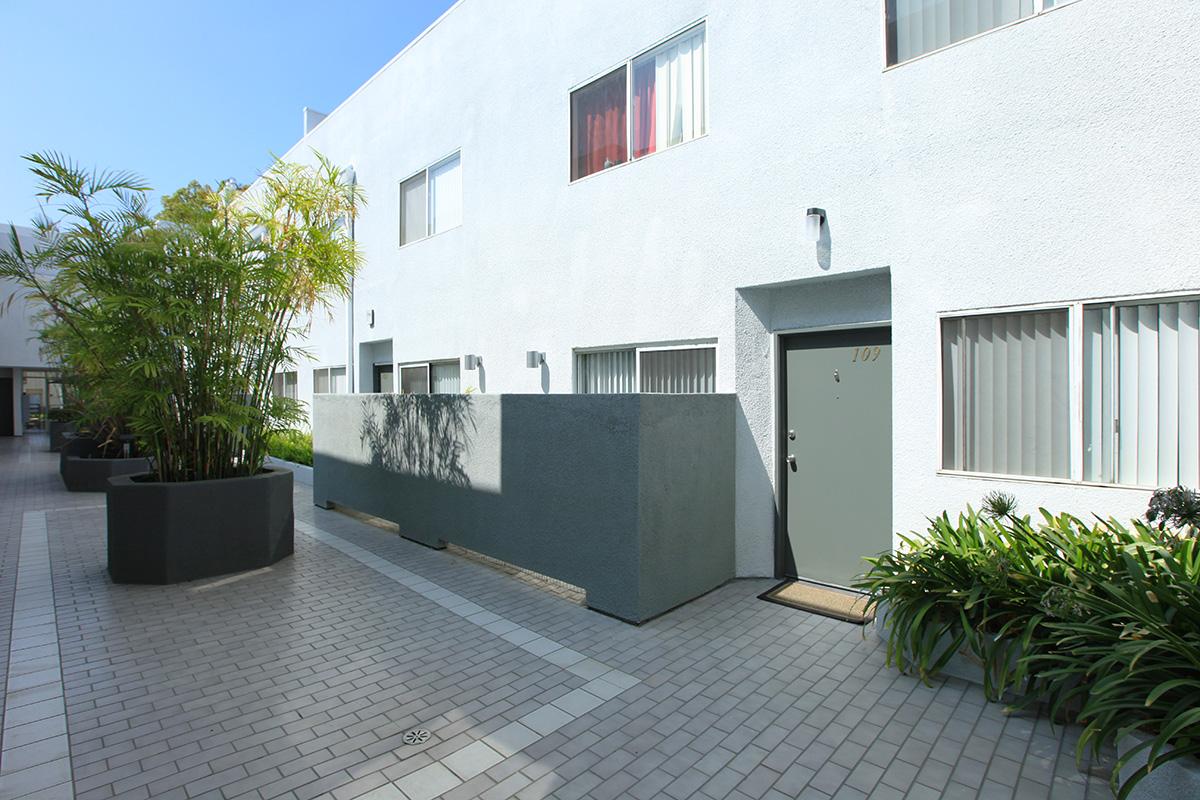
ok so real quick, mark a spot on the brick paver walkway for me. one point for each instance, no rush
(301, 681)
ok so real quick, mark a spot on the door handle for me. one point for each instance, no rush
(791, 460)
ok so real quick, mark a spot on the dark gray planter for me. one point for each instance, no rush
(1173, 780)
(58, 434)
(82, 469)
(172, 532)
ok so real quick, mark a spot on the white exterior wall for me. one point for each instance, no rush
(1051, 160)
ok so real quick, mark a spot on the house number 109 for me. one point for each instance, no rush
(865, 354)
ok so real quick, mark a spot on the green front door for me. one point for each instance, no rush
(837, 450)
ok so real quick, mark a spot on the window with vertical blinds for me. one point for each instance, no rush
(606, 372)
(444, 377)
(1006, 394)
(916, 27)
(692, 370)
(329, 380)
(688, 370)
(1141, 393)
(285, 384)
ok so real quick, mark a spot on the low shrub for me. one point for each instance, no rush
(1100, 622)
(291, 445)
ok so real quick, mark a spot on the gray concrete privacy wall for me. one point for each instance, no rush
(628, 496)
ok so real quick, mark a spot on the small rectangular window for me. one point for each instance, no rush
(686, 370)
(445, 195)
(916, 27)
(606, 372)
(285, 384)
(668, 105)
(674, 370)
(329, 380)
(1006, 394)
(1141, 393)
(413, 224)
(598, 125)
(431, 200)
(444, 377)
(415, 379)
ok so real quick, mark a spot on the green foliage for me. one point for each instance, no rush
(291, 445)
(999, 504)
(1101, 622)
(173, 326)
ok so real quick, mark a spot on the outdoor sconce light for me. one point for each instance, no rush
(371, 318)
(534, 359)
(472, 361)
(813, 222)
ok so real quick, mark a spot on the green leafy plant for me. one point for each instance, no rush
(291, 445)
(1101, 622)
(175, 325)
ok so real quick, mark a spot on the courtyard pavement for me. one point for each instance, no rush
(311, 678)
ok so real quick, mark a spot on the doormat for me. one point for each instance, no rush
(840, 604)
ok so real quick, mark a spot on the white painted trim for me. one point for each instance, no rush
(993, 476)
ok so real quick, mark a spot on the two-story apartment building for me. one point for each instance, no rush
(935, 248)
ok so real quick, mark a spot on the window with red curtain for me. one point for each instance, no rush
(644, 107)
(599, 138)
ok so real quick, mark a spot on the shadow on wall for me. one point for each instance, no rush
(424, 436)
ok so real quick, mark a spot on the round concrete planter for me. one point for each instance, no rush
(1175, 779)
(82, 469)
(58, 434)
(171, 532)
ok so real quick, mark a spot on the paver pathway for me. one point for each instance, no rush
(302, 680)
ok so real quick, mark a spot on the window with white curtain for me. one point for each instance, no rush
(1006, 406)
(431, 200)
(285, 384)
(916, 27)
(653, 101)
(675, 370)
(1141, 393)
(329, 380)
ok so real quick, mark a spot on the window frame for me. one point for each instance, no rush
(428, 365)
(627, 64)
(1075, 345)
(425, 171)
(328, 370)
(283, 373)
(638, 349)
(1039, 8)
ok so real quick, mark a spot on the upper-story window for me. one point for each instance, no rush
(916, 27)
(431, 200)
(649, 103)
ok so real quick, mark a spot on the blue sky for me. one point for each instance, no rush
(181, 90)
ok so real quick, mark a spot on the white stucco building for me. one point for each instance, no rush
(28, 386)
(1009, 198)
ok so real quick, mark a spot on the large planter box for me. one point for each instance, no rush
(171, 532)
(83, 471)
(1174, 780)
(58, 434)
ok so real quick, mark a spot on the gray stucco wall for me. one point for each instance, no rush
(628, 496)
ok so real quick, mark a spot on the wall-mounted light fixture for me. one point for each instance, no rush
(371, 318)
(534, 359)
(471, 361)
(812, 224)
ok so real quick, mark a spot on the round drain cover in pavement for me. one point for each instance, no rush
(416, 736)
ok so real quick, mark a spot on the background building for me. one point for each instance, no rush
(28, 386)
(1001, 293)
